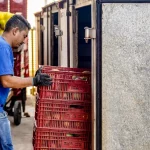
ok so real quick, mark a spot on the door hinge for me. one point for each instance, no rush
(90, 33)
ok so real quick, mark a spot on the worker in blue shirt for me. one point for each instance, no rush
(16, 30)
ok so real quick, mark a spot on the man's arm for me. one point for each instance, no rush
(9, 81)
(40, 79)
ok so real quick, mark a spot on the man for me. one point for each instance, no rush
(15, 32)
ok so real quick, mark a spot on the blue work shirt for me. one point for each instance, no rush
(6, 68)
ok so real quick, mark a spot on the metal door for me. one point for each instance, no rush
(49, 36)
(63, 50)
(45, 37)
(74, 38)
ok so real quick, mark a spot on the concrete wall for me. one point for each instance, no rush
(126, 76)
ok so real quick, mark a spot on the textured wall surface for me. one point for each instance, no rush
(126, 76)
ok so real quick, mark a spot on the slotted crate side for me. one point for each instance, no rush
(64, 85)
(70, 96)
(26, 71)
(19, 7)
(57, 68)
(67, 116)
(46, 104)
(17, 57)
(61, 145)
(17, 63)
(45, 133)
(17, 92)
(4, 5)
(26, 58)
(64, 125)
(67, 73)
(69, 76)
(17, 70)
(59, 110)
(47, 138)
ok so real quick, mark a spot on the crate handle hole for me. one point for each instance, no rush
(72, 135)
(76, 106)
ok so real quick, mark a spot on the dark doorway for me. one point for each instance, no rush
(84, 49)
(55, 43)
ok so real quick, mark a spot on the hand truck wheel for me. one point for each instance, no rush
(17, 112)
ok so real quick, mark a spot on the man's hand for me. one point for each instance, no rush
(41, 79)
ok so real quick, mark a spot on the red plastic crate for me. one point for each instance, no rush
(60, 110)
(75, 76)
(17, 56)
(71, 86)
(67, 73)
(19, 6)
(17, 63)
(49, 68)
(17, 92)
(64, 125)
(17, 71)
(70, 96)
(26, 58)
(17, 66)
(26, 71)
(4, 5)
(54, 139)
(17, 60)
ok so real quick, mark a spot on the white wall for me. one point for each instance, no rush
(31, 19)
(33, 7)
(49, 1)
(32, 10)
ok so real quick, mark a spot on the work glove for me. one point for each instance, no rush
(38, 71)
(41, 79)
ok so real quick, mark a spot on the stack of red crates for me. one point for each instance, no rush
(19, 6)
(20, 70)
(26, 63)
(4, 5)
(26, 58)
(17, 70)
(63, 111)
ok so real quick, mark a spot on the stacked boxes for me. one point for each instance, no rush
(63, 111)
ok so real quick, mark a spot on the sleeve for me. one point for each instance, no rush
(6, 63)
